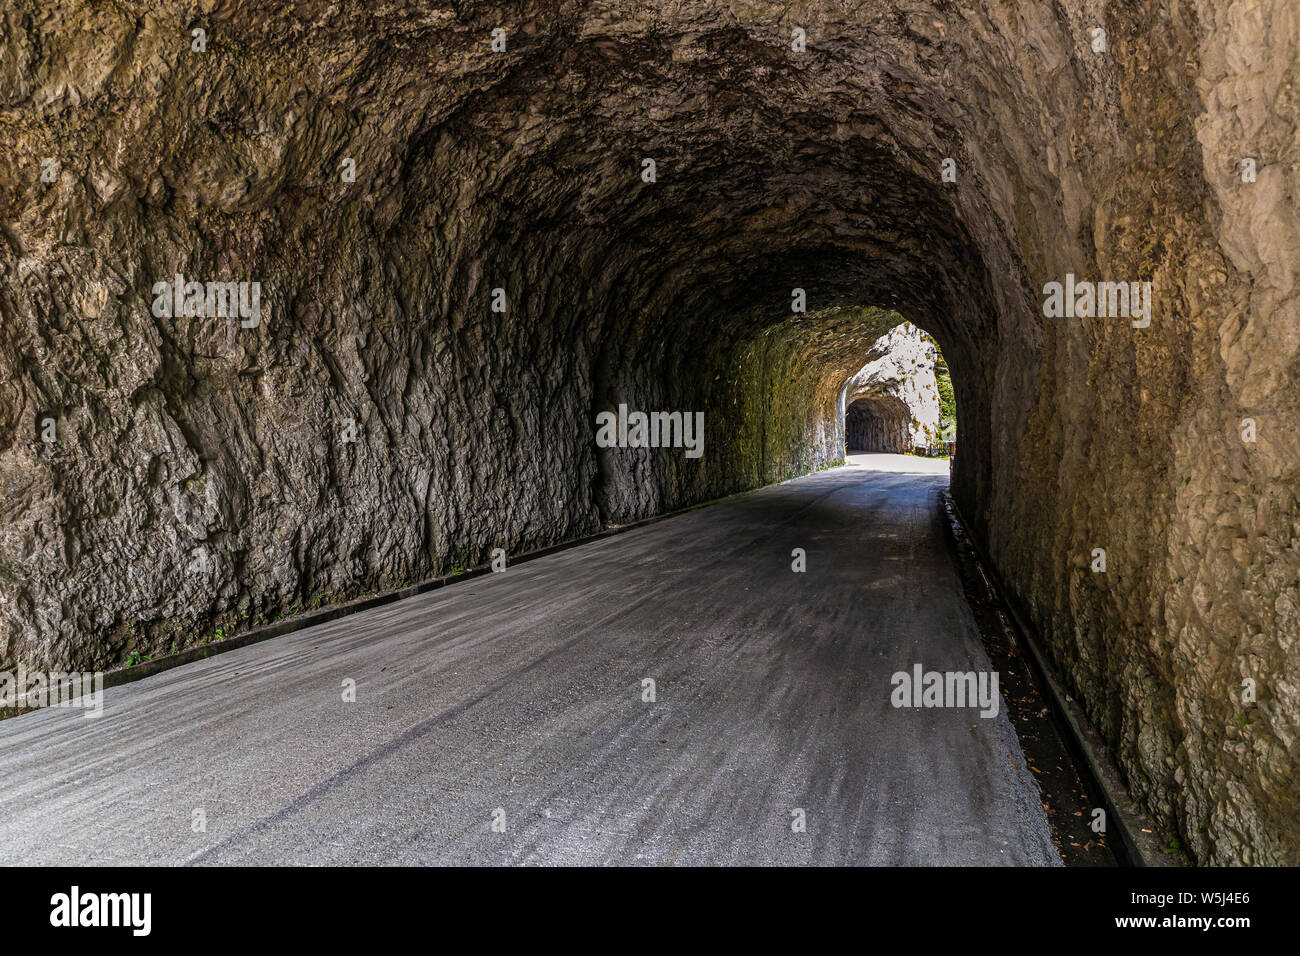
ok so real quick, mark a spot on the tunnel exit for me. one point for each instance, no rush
(902, 400)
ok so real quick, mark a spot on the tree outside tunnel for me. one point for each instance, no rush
(463, 259)
(947, 398)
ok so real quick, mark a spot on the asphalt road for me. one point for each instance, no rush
(522, 692)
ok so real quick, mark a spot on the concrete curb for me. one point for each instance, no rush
(1138, 844)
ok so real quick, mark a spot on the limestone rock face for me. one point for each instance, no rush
(463, 257)
(892, 402)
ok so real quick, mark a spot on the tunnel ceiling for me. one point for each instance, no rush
(203, 476)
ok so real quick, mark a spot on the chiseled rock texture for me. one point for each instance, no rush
(200, 479)
(892, 402)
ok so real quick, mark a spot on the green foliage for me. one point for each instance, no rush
(947, 398)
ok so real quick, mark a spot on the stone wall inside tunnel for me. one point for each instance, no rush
(392, 416)
(771, 403)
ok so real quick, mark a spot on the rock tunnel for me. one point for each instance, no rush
(473, 228)
(877, 424)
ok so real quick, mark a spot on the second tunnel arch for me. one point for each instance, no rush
(878, 424)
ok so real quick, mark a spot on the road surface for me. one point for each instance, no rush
(516, 699)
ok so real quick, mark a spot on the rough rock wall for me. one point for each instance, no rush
(388, 417)
(201, 476)
(1144, 449)
(1232, 605)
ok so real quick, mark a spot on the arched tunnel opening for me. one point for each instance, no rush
(460, 241)
(878, 424)
(902, 400)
